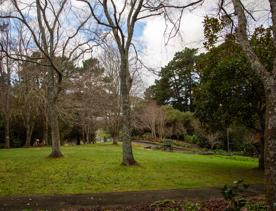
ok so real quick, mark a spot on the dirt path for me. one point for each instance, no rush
(83, 201)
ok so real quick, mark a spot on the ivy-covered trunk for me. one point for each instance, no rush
(125, 85)
(270, 145)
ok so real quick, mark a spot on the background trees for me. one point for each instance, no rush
(29, 97)
(177, 81)
(226, 94)
(152, 117)
(265, 72)
(229, 92)
(5, 78)
(48, 31)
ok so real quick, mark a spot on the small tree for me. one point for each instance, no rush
(152, 117)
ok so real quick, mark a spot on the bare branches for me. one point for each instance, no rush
(22, 58)
(246, 10)
(92, 10)
(163, 5)
(131, 21)
(229, 16)
(74, 35)
(169, 11)
(50, 37)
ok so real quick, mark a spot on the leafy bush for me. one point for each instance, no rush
(103, 134)
(147, 136)
(235, 195)
(192, 139)
(190, 206)
(195, 139)
(256, 206)
(174, 205)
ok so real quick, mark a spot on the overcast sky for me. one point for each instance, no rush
(149, 33)
(157, 54)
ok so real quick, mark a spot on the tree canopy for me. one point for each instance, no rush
(177, 81)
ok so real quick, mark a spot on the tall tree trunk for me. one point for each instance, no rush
(29, 124)
(116, 128)
(28, 137)
(128, 158)
(78, 139)
(87, 137)
(7, 131)
(262, 153)
(7, 105)
(46, 128)
(55, 135)
(228, 139)
(53, 117)
(115, 140)
(29, 131)
(270, 146)
(269, 81)
(261, 133)
(153, 132)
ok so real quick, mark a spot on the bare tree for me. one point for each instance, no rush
(28, 95)
(121, 17)
(47, 22)
(161, 122)
(93, 98)
(111, 63)
(152, 117)
(149, 116)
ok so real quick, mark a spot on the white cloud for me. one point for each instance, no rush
(157, 53)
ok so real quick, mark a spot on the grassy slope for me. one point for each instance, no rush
(95, 168)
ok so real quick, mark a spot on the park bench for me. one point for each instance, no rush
(168, 144)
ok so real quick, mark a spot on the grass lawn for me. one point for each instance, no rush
(96, 168)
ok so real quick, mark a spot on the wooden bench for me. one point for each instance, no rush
(168, 144)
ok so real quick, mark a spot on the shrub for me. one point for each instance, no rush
(195, 139)
(235, 195)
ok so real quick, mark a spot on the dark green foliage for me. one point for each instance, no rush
(180, 122)
(168, 144)
(229, 90)
(197, 139)
(211, 28)
(177, 80)
(235, 195)
(262, 43)
(256, 206)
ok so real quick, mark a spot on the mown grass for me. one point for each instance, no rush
(96, 168)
